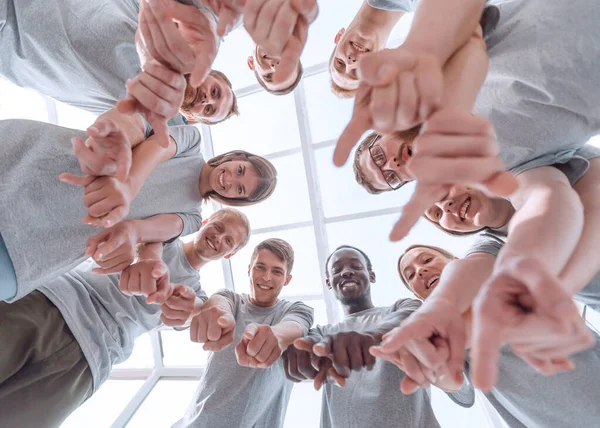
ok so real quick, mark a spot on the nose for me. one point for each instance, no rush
(267, 275)
(352, 58)
(347, 273)
(394, 163)
(273, 63)
(422, 271)
(447, 206)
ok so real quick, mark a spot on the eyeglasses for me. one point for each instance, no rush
(380, 159)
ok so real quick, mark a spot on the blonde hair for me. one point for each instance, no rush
(232, 111)
(235, 215)
(337, 90)
(445, 253)
(266, 172)
(359, 175)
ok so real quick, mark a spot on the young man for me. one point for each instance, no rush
(369, 397)
(244, 385)
(264, 67)
(60, 342)
(82, 55)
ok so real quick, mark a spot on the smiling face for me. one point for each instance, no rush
(383, 163)
(350, 46)
(463, 210)
(220, 237)
(421, 268)
(349, 277)
(234, 179)
(268, 276)
(211, 101)
(265, 65)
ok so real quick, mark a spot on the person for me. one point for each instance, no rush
(243, 385)
(61, 58)
(36, 153)
(346, 346)
(522, 396)
(61, 341)
(265, 65)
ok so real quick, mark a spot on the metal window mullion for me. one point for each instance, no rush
(157, 349)
(316, 204)
(137, 400)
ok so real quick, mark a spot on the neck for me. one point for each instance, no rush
(358, 306)
(504, 211)
(204, 182)
(377, 21)
(192, 256)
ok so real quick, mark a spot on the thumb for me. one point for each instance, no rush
(250, 331)
(159, 269)
(502, 183)
(323, 348)
(226, 321)
(127, 105)
(304, 7)
(94, 241)
(76, 180)
(304, 344)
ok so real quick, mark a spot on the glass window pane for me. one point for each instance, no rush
(212, 278)
(179, 350)
(450, 415)
(142, 356)
(289, 203)
(304, 408)
(20, 103)
(165, 405)
(340, 193)
(328, 115)
(105, 406)
(233, 59)
(320, 311)
(595, 141)
(266, 124)
(306, 275)
(370, 235)
(72, 117)
(593, 318)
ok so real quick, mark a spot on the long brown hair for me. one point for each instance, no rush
(266, 172)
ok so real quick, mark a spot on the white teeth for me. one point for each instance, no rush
(211, 245)
(432, 281)
(349, 284)
(358, 47)
(222, 179)
(262, 287)
(465, 206)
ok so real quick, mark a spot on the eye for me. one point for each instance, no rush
(411, 276)
(427, 260)
(229, 242)
(240, 170)
(240, 190)
(340, 63)
(268, 77)
(438, 214)
(213, 91)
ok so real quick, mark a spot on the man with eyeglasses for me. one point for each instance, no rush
(380, 161)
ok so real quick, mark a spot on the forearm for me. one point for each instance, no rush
(150, 251)
(462, 279)
(158, 228)
(287, 332)
(548, 211)
(464, 74)
(584, 263)
(131, 125)
(146, 157)
(441, 27)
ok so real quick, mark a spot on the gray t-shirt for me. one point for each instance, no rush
(373, 398)
(78, 52)
(233, 396)
(104, 321)
(491, 240)
(543, 109)
(410, 5)
(40, 217)
(524, 398)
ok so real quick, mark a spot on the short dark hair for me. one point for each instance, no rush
(285, 91)
(282, 249)
(348, 247)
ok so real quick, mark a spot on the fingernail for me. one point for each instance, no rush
(108, 223)
(93, 129)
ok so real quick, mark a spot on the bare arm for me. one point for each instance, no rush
(287, 332)
(441, 27)
(548, 211)
(150, 251)
(158, 228)
(584, 262)
(131, 125)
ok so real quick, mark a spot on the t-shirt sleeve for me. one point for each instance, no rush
(486, 243)
(317, 332)
(394, 5)
(187, 138)
(192, 221)
(398, 313)
(232, 298)
(300, 313)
